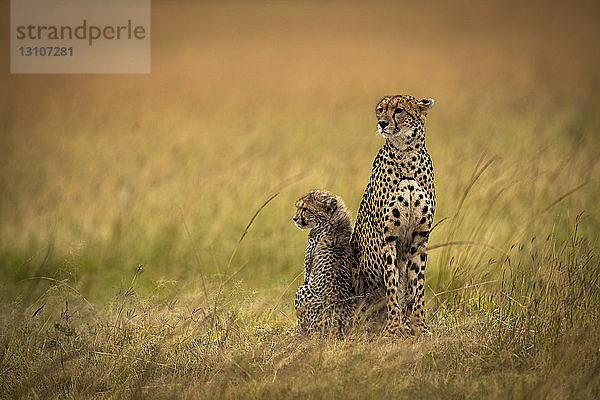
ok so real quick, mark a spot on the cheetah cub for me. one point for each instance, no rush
(325, 302)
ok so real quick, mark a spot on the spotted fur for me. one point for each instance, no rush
(325, 302)
(395, 216)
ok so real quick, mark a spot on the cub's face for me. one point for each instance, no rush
(313, 208)
(305, 216)
(398, 117)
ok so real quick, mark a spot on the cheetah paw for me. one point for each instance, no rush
(422, 328)
(396, 330)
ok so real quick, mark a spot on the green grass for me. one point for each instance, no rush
(99, 174)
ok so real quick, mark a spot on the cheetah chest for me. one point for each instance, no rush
(391, 169)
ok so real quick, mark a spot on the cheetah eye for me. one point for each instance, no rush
(398, 110)
(379, 109)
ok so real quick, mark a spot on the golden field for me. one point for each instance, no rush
(102, 173)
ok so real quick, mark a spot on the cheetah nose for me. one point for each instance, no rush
(295, 219)
(383, 124)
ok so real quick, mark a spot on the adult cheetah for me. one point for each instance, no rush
(326, 301)
(395, 216)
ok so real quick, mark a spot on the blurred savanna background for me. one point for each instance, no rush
(137, 259)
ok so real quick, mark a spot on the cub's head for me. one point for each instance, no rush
(314, 208)
(401, 118)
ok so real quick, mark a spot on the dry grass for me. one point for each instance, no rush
(100, 174)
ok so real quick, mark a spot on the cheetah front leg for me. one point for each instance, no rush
(415, 310)
(306, 304)
(418, 260)
(394, 276)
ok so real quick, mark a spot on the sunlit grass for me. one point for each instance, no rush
(100, 174)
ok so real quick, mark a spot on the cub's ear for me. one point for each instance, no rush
(425, 105)
(313, 196)
(330, 205)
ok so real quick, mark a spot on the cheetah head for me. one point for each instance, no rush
(314, 208)
(401, 118)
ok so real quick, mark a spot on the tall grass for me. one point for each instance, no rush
(142, 256)
(530, 333)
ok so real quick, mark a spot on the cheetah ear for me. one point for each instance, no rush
(425, 105)
(331, 205)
